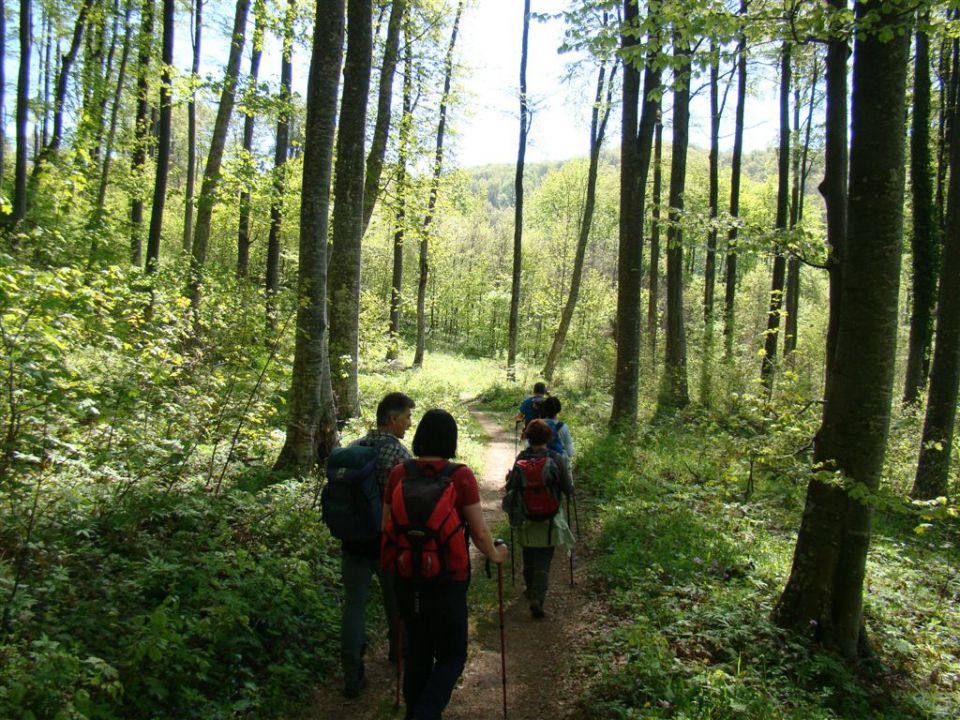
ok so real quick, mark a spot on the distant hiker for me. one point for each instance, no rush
(533, 506)
(369, 461)
(562, 441)
(431, 511)
(530, 408)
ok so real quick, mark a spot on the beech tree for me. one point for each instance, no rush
(23, 110)
(824, 594)
(249, 118)
(163, 140)
(141, 130)
(343, 274)
(312, 419)
(196, 39)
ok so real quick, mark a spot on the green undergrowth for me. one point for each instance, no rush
(688, 569)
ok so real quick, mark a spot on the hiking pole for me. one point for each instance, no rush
(396, 700)
(571, 549)
(576, 514)
(503, 646)
(513, 565)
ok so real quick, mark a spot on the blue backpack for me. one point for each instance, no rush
(351, 504)
(556, 444)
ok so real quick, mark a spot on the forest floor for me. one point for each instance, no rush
(538, 652)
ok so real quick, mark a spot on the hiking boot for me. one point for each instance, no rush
(536, 610)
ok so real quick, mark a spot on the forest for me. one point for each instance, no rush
(227, 229)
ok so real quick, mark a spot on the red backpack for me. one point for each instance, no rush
(531, 475)
(424, 536)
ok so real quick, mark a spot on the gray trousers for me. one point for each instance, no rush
(357, 572)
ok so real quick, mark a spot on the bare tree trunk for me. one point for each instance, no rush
(730, 280)
(924, 240)
(653, 299)
(280, 155)
(311, 425)
(434, 190)
(378, 144)
(23, 112)
(673, 385)
(47, 53)
(192, 127)
(824, 595)
(399, 230)
(598, 127)
(636, 144)
(710, 263)
(211, 172)
(935, 448)
(518, 202)
(163, 144)
(141, 132)
(769, 363)
(343, 274)
(249, 116)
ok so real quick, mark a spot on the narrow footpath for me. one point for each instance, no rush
(539, 685)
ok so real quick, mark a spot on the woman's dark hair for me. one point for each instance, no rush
(538, 432)
(436, 435)
(551, 406)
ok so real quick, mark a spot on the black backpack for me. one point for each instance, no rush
(351, 504)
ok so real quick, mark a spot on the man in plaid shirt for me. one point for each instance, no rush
(361, 560)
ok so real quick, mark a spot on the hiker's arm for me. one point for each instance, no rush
(386, 514)
(480, 533)
(566, 476)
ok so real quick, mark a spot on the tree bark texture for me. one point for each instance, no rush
(434, 190)
(934, 463)
(218, 141)
(777, 284)
(163, 141)
(192, 128)
(673, 384)
(311, 425)
(598, 126)
(343, 275)
(23, 113)
(710, 262)
(736, 163)
(281, 152)
(653, 286)
(825, 591)
(924, 241)
(381, 129)
(249, 121)
(141, 131)
(518, 204)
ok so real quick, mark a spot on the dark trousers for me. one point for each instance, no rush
(536, 571)
(435, 644)
(357, 571)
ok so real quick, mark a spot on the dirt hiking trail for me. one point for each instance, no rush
(539, 686)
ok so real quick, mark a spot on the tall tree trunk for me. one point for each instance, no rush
(653, 298)
(96, 218)
(924, 240)
(3, 87)
(343, 275)
(280, 155)
(598, 127)
(949, 59)
(163, 140)
(60, 92)
(141, 132)
(709, 267)
(311, 424)
(769, 363)
(518, 203)
(434, 190)
(192, 127)
(636, 144)
(730, 279)
(935, 449)
(833, 188)
(23, 112)
(249, 116)
(673, 385)
(399, 229)
(824, 594)
(800, 172)
(47, 53)
(378, 143)
(211, 172)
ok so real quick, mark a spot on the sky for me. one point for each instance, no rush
(490, 52)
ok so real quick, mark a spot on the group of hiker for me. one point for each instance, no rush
(408, 519)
